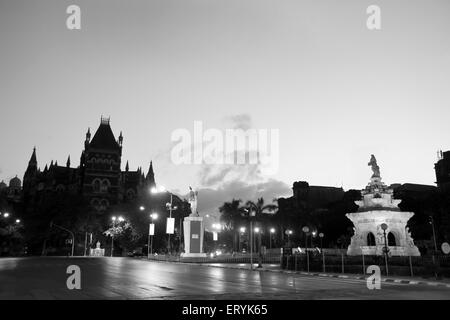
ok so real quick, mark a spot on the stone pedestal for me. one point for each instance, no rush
(369, 222)
(378, 207)
(193, 237)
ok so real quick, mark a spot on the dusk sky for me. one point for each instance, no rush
(336, 91)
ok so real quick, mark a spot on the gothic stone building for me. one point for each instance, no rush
(98, 177)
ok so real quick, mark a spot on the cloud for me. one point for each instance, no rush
(240, 121)
(211, 199)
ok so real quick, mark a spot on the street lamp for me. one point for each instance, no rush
(151, 232)
(305, 229)
(434, 234)
(242, 231)
(272, 231)
(288, 233)
(114, 219)
(6, 215)
(321, 235)
(71, 233)
(384, 226)
(314, 234)
(170, 207)
(258, 231)
(251, 214)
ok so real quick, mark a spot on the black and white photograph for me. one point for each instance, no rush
(224, 154)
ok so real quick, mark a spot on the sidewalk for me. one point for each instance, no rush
(276, 268)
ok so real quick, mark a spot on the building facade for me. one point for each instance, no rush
(98, 177)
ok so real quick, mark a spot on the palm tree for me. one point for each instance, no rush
(232, 215)
(261, 213)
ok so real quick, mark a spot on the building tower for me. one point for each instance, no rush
(100, 166)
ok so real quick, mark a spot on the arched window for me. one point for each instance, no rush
(370, 239)
(104, 204)
(60, 188)
(130, 194)
(96, 185)
(105, 185)
(391, 239)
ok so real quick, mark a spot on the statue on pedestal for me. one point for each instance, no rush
(193, 230)
(193, 199)
(375, 167)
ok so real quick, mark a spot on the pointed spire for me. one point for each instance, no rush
(120, 141)
(56, 163)
(151, 176)
(33, 160)
(51, 164)
(46, 168)
(127, 167)
(88, 135)
(68, 162)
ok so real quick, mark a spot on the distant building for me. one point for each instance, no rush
(442, 169)
(315, 199)
(98, 177)
(13, 191)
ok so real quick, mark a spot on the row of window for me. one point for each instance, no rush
(102, 161)
(100, 204)
(390, 238)
(101, 186)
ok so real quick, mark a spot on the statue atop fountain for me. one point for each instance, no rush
(376, 207)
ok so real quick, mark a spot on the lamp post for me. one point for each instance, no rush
(434, 234)
(170, 207)
(242, 231)
(288, 233)
(258, 232)
(119, 220)
(384, 226)
(151, 232)
(251, 214)
(272, 231)
(321, 235)
(62, 228)
(305, 229)
(314, 234)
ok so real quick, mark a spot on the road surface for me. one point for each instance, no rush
(126, 278)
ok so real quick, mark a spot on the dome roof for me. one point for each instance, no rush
(15, 182)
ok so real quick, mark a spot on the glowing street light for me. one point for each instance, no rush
(257, 229)
(170, 207)
(272, 231)
(17, 220)
(288, 232)
(321, 235)
(6, 214)
(114, 219)
(142, 208)
(151, 233)
(242, 229)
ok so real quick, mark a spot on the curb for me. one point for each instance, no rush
(326, 275)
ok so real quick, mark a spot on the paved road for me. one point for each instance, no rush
(125, 278)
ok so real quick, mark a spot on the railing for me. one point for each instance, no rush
(426, 266)
(223, 258)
